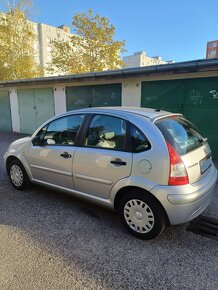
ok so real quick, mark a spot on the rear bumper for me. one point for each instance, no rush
(184, 203)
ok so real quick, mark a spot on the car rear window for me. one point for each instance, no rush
(180, 133)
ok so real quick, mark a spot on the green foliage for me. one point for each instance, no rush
(17, 55)
(93, 48)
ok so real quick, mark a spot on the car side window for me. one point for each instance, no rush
(106, 132)
(63, 131)
(139, 141)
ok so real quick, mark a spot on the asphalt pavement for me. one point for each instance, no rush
(49, 240)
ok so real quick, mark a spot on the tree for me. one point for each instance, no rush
(93, 48)
(17, 54)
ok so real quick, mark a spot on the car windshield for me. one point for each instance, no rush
(180, 133)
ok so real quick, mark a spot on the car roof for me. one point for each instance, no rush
(127, 111)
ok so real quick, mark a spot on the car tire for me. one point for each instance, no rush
(17, 174)
(142, 214)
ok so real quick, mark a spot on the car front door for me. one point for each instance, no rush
(102, 158)
(51, 155)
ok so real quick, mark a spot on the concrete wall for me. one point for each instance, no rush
(15, 118)
(131, 93)
(60, 99)
(141, 59)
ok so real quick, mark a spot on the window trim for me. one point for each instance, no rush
(132, 126)
(86, 127)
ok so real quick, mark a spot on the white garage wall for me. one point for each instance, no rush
(60, 99)
(131, 93)
(15, 118)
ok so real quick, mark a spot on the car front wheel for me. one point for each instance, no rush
(18, 175)
(142, 215)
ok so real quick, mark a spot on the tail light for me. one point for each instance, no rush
(178, 174)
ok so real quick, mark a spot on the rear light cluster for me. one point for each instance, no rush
(178, 174)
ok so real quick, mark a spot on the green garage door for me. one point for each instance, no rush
(93, 96)
(35, 107)
(5, 112)
(196, 98)
(164, 95)
(201, 107)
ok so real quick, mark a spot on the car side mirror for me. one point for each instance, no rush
(37, 141)
(50, 142)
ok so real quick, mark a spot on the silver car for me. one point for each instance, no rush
(151, 166)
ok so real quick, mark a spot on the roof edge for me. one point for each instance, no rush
(179, 67)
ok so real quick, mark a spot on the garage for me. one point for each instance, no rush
(196, 98)
(35, 107)
(5, 111)
(93, 96)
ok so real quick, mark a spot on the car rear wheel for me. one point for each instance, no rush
(142, 215)
(18, 175)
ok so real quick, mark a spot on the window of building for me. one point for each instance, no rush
(212, 52)
(212, 44)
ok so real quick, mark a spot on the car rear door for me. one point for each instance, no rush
(102, 158)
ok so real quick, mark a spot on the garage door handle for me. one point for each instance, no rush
(65, 155)
(118, 162)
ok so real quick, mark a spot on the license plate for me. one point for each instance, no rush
(205, 164)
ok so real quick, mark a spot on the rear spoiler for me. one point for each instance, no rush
(154, 119)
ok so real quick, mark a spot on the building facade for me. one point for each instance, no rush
(45, 34)
(140, 58)
(212, 49)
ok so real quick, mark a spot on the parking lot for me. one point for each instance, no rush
(49, 240)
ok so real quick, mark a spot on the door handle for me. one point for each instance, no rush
(118, 162)
(65, 155)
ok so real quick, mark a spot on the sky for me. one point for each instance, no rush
(174, 29)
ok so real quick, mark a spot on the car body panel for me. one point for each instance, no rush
(147, 163)
(17, 149)
(193, 160)
(183, 203)
(47, 164)
(94, 173)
